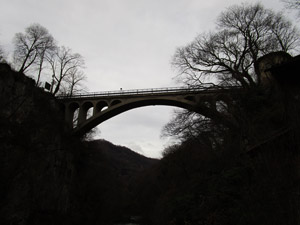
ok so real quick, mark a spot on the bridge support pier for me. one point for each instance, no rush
(82, 115)
(69, 114)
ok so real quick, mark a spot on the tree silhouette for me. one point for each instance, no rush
(74, 82)
(37, 52)
(65, 66)
(228, 56)
(31, 48)
(292, 4)
(2, 54)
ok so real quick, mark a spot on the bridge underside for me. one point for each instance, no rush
(85, 123)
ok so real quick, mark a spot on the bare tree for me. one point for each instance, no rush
(31, 47)
(46, 50)
(36, 50)
(65, 65)
(73, 83)
(2, 55)
(229, 55)
(292, 4)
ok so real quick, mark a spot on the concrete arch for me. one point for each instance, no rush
(69, 112)
(115, 102)
(117, 109)
(73, 106)
(190, 98)
(100, 105)
(83, 111)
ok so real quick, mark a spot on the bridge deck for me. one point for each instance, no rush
(149, 91)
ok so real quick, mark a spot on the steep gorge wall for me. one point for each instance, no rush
(37, 161)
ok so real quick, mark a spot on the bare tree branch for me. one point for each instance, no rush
(65, 64)
(228, 57)
(31, 47)
(245, 33)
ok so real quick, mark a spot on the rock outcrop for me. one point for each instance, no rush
(36, 168)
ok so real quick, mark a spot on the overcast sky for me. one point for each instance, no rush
(126, 44)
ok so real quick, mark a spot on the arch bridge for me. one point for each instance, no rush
(95, 108)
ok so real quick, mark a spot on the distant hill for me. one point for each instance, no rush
(104, 189)
(122, 160)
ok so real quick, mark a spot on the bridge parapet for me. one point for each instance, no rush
(147, 91)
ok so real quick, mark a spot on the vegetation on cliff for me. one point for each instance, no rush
(238, 161)
(48, 176)
(233, 183)
(36, 159)
(55, 68)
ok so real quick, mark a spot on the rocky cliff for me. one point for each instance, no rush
(36, 166)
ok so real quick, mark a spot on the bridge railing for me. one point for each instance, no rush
(142, 91)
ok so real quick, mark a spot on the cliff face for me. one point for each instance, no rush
(36, 167)
(49, 177)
